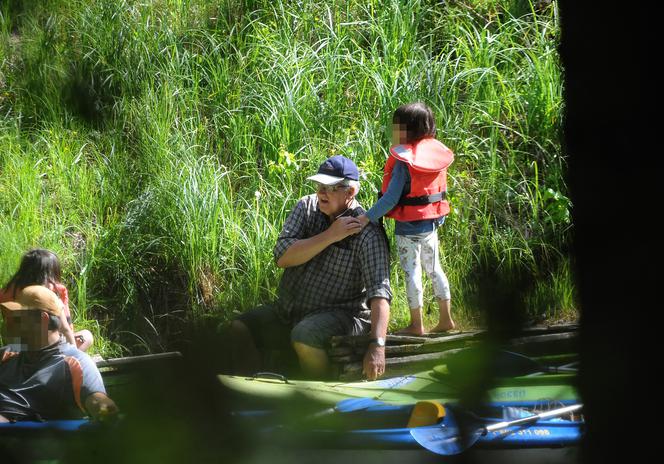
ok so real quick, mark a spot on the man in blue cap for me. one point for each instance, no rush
(334, 272)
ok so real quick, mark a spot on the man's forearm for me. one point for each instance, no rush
(373, 365)
(305, 249)
(380, 317)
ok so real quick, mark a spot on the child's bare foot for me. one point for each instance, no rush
(411, 330)
(443, 328)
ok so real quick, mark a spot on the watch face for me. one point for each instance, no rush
(378, 341)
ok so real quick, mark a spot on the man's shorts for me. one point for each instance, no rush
(270, 331)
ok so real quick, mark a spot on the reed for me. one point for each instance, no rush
(158, 146)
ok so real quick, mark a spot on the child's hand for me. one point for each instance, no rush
(364, 220)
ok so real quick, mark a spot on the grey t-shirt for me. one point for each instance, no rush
(52, 383)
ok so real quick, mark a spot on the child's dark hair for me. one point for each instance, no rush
(418, 119)
(38, 267)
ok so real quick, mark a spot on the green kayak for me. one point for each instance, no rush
(437, 384)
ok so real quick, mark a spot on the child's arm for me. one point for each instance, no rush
(391, 196)
(66, 329)
(66, 326)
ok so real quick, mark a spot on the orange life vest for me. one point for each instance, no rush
(427, 162)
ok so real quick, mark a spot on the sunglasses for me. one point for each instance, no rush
(322, 188)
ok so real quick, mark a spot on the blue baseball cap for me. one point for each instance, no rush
(335, 170)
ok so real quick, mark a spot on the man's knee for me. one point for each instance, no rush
(309, 352)
(303, 335)
(239, 331)
(313, 361)
(84, 339)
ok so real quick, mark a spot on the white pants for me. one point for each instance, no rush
(415, 252)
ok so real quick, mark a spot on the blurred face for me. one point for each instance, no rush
(26, 328)
(399, 134)
(333, 199)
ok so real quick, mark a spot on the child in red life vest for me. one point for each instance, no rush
(41, 267)
(414, 195)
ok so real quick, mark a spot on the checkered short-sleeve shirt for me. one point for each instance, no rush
(346, 275)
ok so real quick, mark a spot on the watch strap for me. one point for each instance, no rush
(380, 341)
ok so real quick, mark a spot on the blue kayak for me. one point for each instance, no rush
(56, 425)
(360, 430)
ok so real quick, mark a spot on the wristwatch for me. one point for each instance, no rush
(380, 341)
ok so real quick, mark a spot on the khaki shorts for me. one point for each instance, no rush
(270, 331)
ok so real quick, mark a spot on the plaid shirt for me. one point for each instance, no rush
(345, 275)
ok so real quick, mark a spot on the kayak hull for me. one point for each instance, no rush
(398, 390)
(382, 427)
(540, 435)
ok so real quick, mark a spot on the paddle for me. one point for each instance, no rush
(448, 439)
(347, 405)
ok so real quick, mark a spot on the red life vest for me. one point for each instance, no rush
(427, 162)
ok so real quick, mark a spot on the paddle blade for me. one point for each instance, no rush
(356, 404)
(443, 440)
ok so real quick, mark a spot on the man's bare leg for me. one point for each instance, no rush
(313, 361)
(245, 357)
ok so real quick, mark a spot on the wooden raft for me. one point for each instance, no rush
(408, 354)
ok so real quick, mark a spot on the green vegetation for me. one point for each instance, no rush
(157, 147)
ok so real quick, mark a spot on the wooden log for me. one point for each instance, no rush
(432, 347)
(363, 340)
(400, 366)
(338, 351)
(351, 358)
(541, 345)
(352, 340)
(543, 338)
(553, 328)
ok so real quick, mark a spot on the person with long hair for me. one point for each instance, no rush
(42, 267)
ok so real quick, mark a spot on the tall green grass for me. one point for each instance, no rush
(158, 146)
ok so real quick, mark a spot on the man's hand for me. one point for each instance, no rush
(304, 249)
(343, 227)
(374, 362)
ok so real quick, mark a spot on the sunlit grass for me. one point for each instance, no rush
(157, 147)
